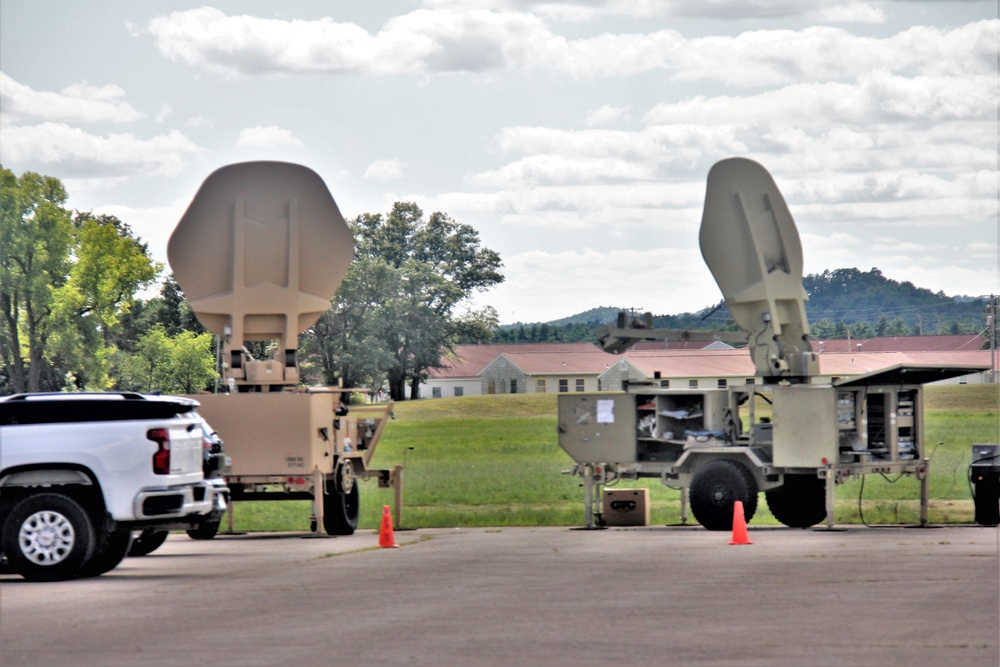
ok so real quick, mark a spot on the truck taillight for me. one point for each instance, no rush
(161, 459)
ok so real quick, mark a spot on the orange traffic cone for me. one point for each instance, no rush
(386, 539)
(740, 535)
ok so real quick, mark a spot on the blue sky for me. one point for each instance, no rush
(574, 135)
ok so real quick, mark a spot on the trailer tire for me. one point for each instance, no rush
(341, 503)
(47, 537)
(108, 555)
(148, 541)
(800, 502)
(715, 489)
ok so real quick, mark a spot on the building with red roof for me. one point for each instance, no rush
(570, 367)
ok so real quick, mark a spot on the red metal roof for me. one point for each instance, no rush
(588, 359)
(903, 344)
(472, 359)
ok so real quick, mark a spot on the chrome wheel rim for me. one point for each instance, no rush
(46, 538)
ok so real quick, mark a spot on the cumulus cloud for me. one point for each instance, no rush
(422, 41)
(385, 170)
(267, 137)
(79, 152)
(446, 39)
(78, 103)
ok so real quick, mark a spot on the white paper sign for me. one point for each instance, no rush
(605, 411)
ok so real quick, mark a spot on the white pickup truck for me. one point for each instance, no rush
(80, 471)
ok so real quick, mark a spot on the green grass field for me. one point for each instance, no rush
(495, 461)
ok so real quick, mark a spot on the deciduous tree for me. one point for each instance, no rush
(399, 310)
(36, 238)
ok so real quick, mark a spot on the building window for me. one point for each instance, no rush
(460, 391)
(563, 385)
(540, 386)
(722, 383)
(513, 386)
(693, 384)
(580, 384)
(751, 381)
(665, 383)
(436, 392)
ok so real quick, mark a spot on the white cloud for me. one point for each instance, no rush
(416, 42)
(555, 169)
(385, 170)
(80, 153)
(605, 115)
(267, 137)
(483, 40)
(78, 103)
(133, 29)
(583, 10)
(164, 113)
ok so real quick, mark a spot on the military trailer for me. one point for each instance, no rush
(259, 254)
(792, 436)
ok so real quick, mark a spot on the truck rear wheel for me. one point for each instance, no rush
(715, 489)
(107, 556)
(800, 502)
(47, 537)
(341, 503)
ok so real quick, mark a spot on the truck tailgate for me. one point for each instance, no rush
(185, 448)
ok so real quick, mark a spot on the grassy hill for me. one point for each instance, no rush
(495, 461)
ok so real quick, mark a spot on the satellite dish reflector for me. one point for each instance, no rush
(750, 243)
(259, 253)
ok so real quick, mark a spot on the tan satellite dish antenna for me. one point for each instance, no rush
(750, 244)
(259, 253)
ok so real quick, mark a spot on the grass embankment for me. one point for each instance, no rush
(495, 461)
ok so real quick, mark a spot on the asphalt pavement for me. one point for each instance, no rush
(527, 596)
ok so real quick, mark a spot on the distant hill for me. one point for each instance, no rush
(866, 302)
(600, 315)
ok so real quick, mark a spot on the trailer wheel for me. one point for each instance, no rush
(753, 492)
(800, 502)
(47, 537)
(341, 503)
(715, 489)
(109, 555)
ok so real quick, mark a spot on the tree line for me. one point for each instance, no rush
(71, 318)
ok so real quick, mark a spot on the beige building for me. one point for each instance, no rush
(570, 367)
